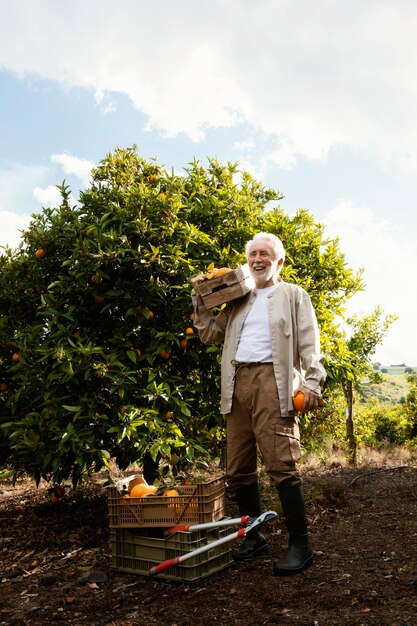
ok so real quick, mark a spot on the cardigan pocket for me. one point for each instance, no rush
(284, 327)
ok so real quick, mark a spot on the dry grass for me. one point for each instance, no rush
(387, 456)
(331, 456)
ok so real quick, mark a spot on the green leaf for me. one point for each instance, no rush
(132, 355)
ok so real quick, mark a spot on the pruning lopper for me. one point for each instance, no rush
(247, 523)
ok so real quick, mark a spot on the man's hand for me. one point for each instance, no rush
(197, 280)
(311, 398)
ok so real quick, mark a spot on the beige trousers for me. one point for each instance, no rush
(255, 423)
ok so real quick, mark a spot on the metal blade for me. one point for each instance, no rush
(263, 517)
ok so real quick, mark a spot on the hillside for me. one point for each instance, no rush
(394, 370)
(392, 390)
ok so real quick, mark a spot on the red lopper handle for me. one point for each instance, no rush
(174, 529)
(157, 569)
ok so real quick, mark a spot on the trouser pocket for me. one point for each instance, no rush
(287, 441)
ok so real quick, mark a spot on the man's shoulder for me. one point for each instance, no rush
(237, 303)
(292, 290)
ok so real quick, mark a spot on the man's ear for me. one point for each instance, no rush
(280, 262)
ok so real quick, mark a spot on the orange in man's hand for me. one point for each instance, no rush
(299, 402)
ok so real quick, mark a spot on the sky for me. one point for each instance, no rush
(315, 99)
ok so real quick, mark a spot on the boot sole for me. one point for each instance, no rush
(293, 572)
(256, 553)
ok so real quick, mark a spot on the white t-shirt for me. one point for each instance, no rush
(255, 339)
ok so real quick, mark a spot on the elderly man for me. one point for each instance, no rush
(271, 350)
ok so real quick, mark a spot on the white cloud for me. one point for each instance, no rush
(51, 196)
(388, 252)
(309, 76)
(16, 184)
(73, 165)
(47, 197)
(11, 225)
(21, 192)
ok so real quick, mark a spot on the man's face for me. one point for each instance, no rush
(262, 263)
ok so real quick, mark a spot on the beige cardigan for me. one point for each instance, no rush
(295, 340)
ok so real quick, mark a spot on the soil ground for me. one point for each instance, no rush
(363, 530)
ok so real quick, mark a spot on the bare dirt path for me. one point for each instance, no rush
(365, 568)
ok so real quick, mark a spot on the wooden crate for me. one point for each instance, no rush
(230, 286)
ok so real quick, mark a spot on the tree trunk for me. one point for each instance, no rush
(150, 468)
(350, 427)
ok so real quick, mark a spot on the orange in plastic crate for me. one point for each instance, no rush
(197, 504)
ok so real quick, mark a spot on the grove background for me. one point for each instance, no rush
(315, 99)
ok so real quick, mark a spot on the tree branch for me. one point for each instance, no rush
(387, 469)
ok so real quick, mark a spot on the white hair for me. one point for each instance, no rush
(275, 243)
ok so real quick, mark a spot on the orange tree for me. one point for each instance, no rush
(97, 354)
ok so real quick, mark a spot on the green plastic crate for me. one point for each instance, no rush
(197, 504)
(136, 553)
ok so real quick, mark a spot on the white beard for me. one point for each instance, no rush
(263, 277)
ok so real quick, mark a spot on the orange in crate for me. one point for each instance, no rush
(196, 504)
(225, 285)
(143, 491)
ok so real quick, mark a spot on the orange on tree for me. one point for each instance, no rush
(98, 299)
(40, 253)
(164, 354)
(16, 357)
(150, 315)
(189, 331)
(4, 387)
(168, 416)
(183, 343)
(192, 316)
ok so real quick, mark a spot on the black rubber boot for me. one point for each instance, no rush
(299, 555)
(249, 503)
